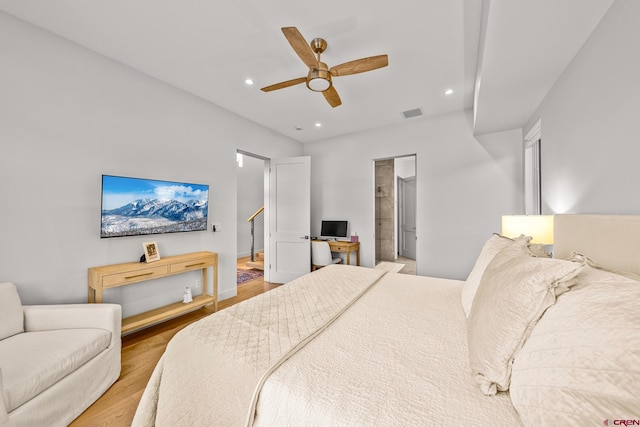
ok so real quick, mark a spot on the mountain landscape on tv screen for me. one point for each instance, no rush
(154, 216)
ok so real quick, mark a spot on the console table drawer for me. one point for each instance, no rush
(196, 264)
(120, 279)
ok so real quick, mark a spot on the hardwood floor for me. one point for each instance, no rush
(141, 351)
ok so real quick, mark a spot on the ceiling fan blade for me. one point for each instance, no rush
(300, 46)
(282, 85)
(332, 97)
(360, 65)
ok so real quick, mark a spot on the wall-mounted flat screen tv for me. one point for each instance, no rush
(136, 206)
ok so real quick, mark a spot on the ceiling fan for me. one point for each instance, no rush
(319, 78)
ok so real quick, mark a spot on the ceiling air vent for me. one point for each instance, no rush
(412, 113)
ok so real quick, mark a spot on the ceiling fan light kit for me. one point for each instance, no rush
(319, 79)
(320, 76)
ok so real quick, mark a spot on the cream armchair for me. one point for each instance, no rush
(55, 360)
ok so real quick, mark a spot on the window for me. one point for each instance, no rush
(532, 180)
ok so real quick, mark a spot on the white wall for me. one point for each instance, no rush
(404, 167)
(68, 115)
(250, 199)
(590, 139)
(464, 184)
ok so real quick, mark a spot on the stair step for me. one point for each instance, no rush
(256, 264)
(259, 256)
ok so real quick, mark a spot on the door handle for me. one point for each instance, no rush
(305, 237)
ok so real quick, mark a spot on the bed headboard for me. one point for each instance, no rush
(612, 241)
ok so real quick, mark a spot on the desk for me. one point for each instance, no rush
(346, 247)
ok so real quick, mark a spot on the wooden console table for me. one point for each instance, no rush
(115, 275)
(346, 247)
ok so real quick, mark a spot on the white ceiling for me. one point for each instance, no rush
(514, 49)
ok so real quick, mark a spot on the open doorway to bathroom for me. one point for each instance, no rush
(395, 212)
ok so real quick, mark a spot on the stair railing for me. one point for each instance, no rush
(257, 226)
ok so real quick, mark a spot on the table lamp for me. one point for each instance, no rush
(539, 227)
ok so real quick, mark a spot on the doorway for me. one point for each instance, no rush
(276, 192)
(250, 172)
(407, 217)
(395, 211)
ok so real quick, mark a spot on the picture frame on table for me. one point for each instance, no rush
(151, 252)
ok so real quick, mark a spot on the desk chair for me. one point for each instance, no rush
(321, 255)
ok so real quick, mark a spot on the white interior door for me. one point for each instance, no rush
(407, 205)
(289, 218)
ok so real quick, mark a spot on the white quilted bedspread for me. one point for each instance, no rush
(210, 370)
(397, 357)
(344, 346)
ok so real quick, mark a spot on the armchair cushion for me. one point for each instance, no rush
(73, 316)
(11, 315)
(30, 366)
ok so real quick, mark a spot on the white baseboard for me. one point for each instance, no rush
(227, 294)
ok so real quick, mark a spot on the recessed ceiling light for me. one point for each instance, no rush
(248, 82)
(448, 91)
(318, 124)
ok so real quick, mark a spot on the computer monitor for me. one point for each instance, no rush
(334, 229)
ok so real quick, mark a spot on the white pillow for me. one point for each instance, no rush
(515, 290)
(582, 360)
(491, 247)
(11, 314)
(4, 418)
(539, 250)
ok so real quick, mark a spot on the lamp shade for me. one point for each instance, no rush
(539, 227)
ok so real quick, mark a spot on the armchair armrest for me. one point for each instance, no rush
(74, 316)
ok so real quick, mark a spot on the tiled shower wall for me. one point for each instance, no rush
(385, 210)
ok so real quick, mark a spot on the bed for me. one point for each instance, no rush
(525, 340)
